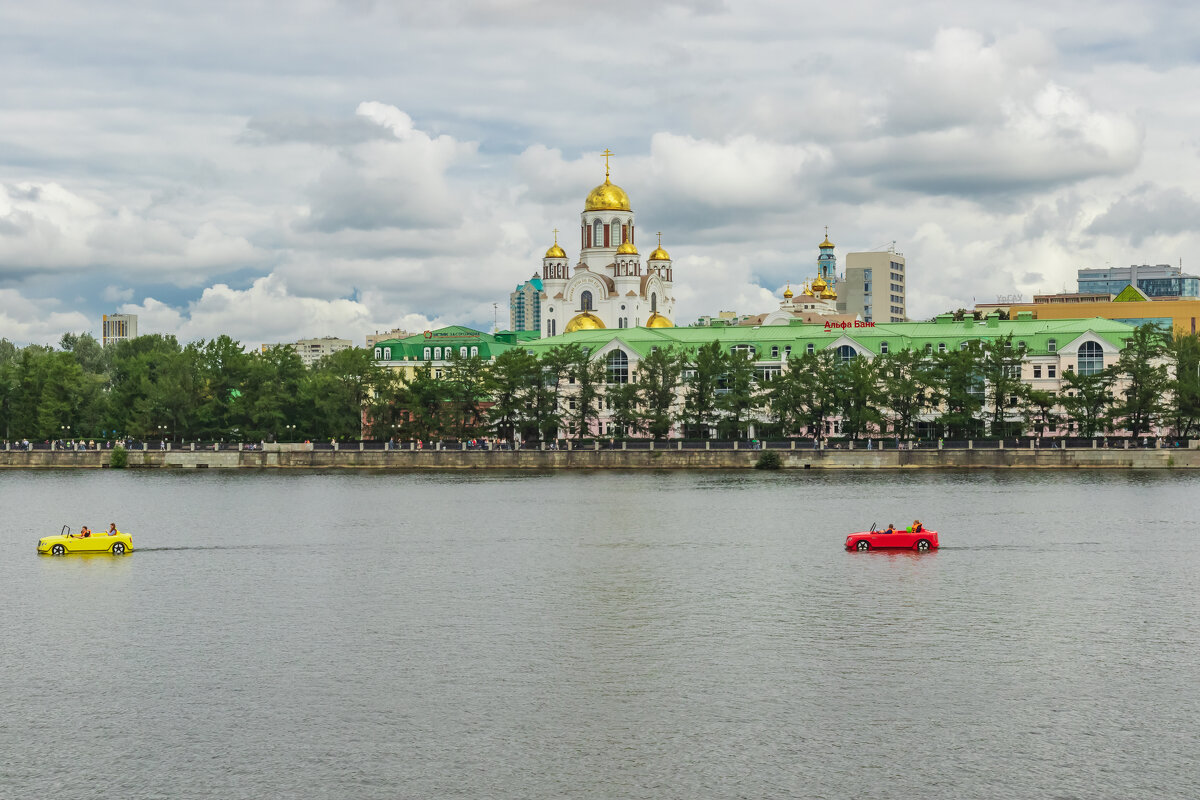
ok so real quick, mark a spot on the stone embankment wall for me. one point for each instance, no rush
(284, 457)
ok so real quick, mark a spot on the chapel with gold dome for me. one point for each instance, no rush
(609, 286)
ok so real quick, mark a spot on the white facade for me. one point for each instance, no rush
(609, 287)
(117, 328)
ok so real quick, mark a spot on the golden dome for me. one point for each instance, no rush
(788, 293)
(627, 248)
(607, 197)
(829, 294)
(583, 322)
(555, 252)
(660, 255)
(808, 292)
(658, 321)
(826, 243)
(819, 285)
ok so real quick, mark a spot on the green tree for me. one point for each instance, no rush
(625, 402)
(1000, 368)
(738, 395)
(335, 393)
(859, 395)
(587, 379)
(1183, 408)
(1040, 410)
(702, 376)
(1086, 400)
(960, 390)
(804, 395)
(465, 379)
(510, 384)
(907, 388)
(272, 392)
(1141, 371)
(658, 376)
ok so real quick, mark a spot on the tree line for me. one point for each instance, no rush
(153, 387)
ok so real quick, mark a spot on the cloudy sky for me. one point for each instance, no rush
(275, 171)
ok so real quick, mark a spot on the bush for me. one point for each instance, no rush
(768, 460)
(119, 458)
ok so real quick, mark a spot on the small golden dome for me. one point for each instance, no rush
(658, 321)
(819, 285)
(788, 293)
(583, 322)
(829, 294)
(826, 243)
(627, 248)
(660, 255)
(808, 292)
(607, 197)
(555, 252)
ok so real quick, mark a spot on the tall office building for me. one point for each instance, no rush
(874, 287)
(525, 306)
(117, 328)
(1160, 280)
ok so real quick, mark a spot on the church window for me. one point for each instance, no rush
(653, 302)
(846, 354)
(428, 353)
(585, 301)
(883, 347)
(387, 354)
(474, 351)
(618, 367)
(378, 354)
(462, 352)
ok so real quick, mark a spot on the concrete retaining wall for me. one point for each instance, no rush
(611, 459)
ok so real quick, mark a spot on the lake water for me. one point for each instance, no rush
(601, 635)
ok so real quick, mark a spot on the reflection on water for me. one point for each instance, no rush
(602, 635)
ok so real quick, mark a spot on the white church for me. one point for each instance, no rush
(609, 287)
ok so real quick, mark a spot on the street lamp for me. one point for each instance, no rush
(291, 431)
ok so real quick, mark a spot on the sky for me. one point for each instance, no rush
(279, 171)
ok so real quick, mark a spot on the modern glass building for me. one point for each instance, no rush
(1160, 280)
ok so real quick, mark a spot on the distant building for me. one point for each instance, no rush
(524, 306)
(874, 287)
(435, 349)
(1160, 280)
(377, 336)
(1131, 306)
(117, 328)
(313, 350)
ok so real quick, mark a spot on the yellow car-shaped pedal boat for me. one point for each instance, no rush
(97, 542)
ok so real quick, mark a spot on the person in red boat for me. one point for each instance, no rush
(917, 526)
(891, 528)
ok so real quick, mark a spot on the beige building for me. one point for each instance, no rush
(313, 350)
(394, 333)
(874, 287)
(117, 328)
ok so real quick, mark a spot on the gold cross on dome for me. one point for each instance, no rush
(607, 153)
(660, 238)
(556, 235)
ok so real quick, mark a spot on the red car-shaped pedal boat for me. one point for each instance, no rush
(922, 540)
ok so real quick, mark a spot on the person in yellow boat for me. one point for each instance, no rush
(84, 532)
(112, 529)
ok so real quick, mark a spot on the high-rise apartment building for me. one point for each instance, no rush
(525, 306)
(117, 328)
(394, 333)
(874, 287)
(313, 350)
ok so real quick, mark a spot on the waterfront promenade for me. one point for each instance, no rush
(663, 455)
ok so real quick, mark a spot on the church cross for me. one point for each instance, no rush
(606, 155)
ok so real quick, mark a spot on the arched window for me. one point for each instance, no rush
(428, 353)
(774, 352)
(387, 354)
(883, 347)
(437, 354)
(462, 352)
(941, 347)
(809, 349)
(378, 354)
(653, 302)
(846, 354)
(585, 301)
(474, 351)
(618, 367)
(746, 350)
(1091, 359)
(1051, 345)
(597, 233)
(928, 348)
